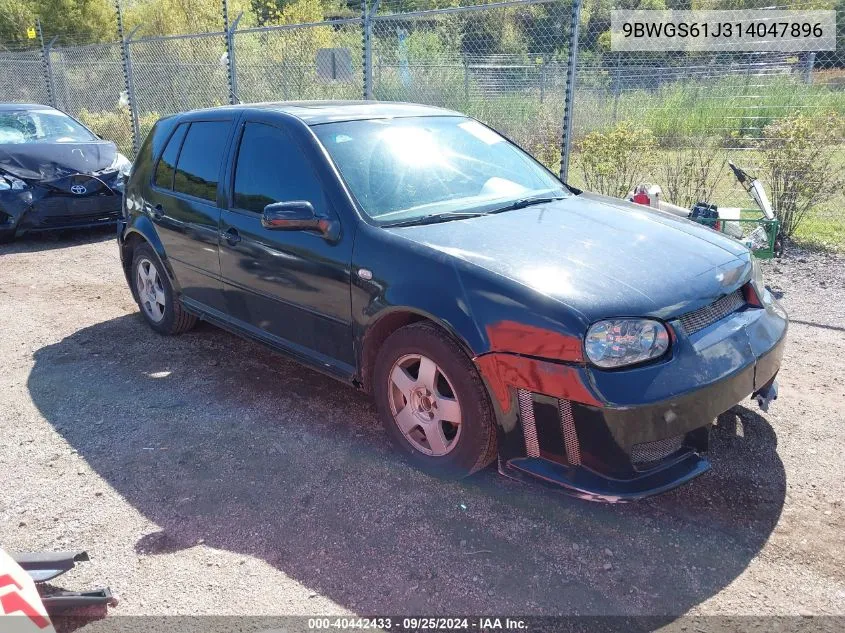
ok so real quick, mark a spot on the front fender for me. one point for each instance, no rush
(483, 311)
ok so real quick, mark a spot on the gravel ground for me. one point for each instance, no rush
(206, 475)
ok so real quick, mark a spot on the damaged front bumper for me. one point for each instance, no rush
(51, 205)
(624, 435)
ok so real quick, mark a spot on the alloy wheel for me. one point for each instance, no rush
(150, 290)
(424, 405)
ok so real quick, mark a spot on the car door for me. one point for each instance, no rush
(291, 286)
(183, 203)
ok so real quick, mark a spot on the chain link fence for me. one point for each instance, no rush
(675, 119)
(23, 78)
(504, 64)
(300, 62)
(679, 120)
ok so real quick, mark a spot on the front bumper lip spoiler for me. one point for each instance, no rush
(587, 484)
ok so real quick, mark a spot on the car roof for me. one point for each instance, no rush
(6, 107)
(317, 112)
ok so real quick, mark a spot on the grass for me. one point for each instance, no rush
(729, 109)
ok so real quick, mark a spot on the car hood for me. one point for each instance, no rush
(49, 161)
(600, 256)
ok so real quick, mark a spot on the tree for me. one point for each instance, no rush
(17, 17)
(170, 17)
(76, 21)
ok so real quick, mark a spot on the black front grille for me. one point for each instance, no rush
(709, 314)
(648, 452)
(73, 220)
(64, 206)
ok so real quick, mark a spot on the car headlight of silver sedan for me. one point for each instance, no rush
(620, 342)
(123, 165)
(8, 182)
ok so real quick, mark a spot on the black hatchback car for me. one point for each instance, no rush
(490, 309)
(55, 173)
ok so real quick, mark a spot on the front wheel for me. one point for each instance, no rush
(159, 304)
(433, 403)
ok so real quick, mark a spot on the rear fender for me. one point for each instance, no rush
(141, 227)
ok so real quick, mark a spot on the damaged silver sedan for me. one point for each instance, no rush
(55, 173)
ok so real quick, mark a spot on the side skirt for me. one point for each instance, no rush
(318, 362)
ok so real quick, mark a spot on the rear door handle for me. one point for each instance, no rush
(231, 236)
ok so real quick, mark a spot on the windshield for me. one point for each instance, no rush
(41, 126)
(410, 168)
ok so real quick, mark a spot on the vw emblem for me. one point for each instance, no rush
(78, 190)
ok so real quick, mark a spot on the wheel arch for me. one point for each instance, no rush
(142, 231)
(377, 332)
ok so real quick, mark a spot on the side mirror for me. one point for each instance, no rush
(297, 215)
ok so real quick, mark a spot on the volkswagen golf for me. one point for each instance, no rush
(490, 310)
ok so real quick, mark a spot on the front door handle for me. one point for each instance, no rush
(231, 236)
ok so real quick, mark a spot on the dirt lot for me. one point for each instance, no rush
(207, 475)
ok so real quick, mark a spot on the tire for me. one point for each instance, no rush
(7, 236)
(469, 445)
(165, 314)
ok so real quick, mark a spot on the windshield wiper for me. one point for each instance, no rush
(434, 219)
(526, 202)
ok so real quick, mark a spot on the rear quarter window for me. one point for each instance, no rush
(166, 167)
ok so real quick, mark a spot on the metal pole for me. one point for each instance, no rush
(47, 65)
(127, 77)
(231, 67)
(130, 92)
(566, 139)
(808, 68)
(367, 14)
(542, 79)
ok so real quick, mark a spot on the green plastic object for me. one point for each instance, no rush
(748, 224)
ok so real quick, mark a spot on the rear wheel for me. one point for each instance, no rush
(159, 304)
(433, 403)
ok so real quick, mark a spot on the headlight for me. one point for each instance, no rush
(763, 294)
(122, 164)
(618, 342)
(757, 274)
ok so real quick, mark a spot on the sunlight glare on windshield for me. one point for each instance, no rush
(413, 145)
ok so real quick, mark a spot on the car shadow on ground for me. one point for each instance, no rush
(51, 240)
(218, 440)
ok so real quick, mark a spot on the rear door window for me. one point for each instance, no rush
(270, 169)
(167, 163)
(198, 167)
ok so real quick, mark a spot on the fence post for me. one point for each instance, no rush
(809, 64)
(367, 14)
(127, 77)
(231, 64)
(47, 64)
(542, 79)
(572, 66)
(130, 91)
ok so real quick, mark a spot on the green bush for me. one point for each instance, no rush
(613, 162)
(799, 162)
(116, 125)
(690, 176)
